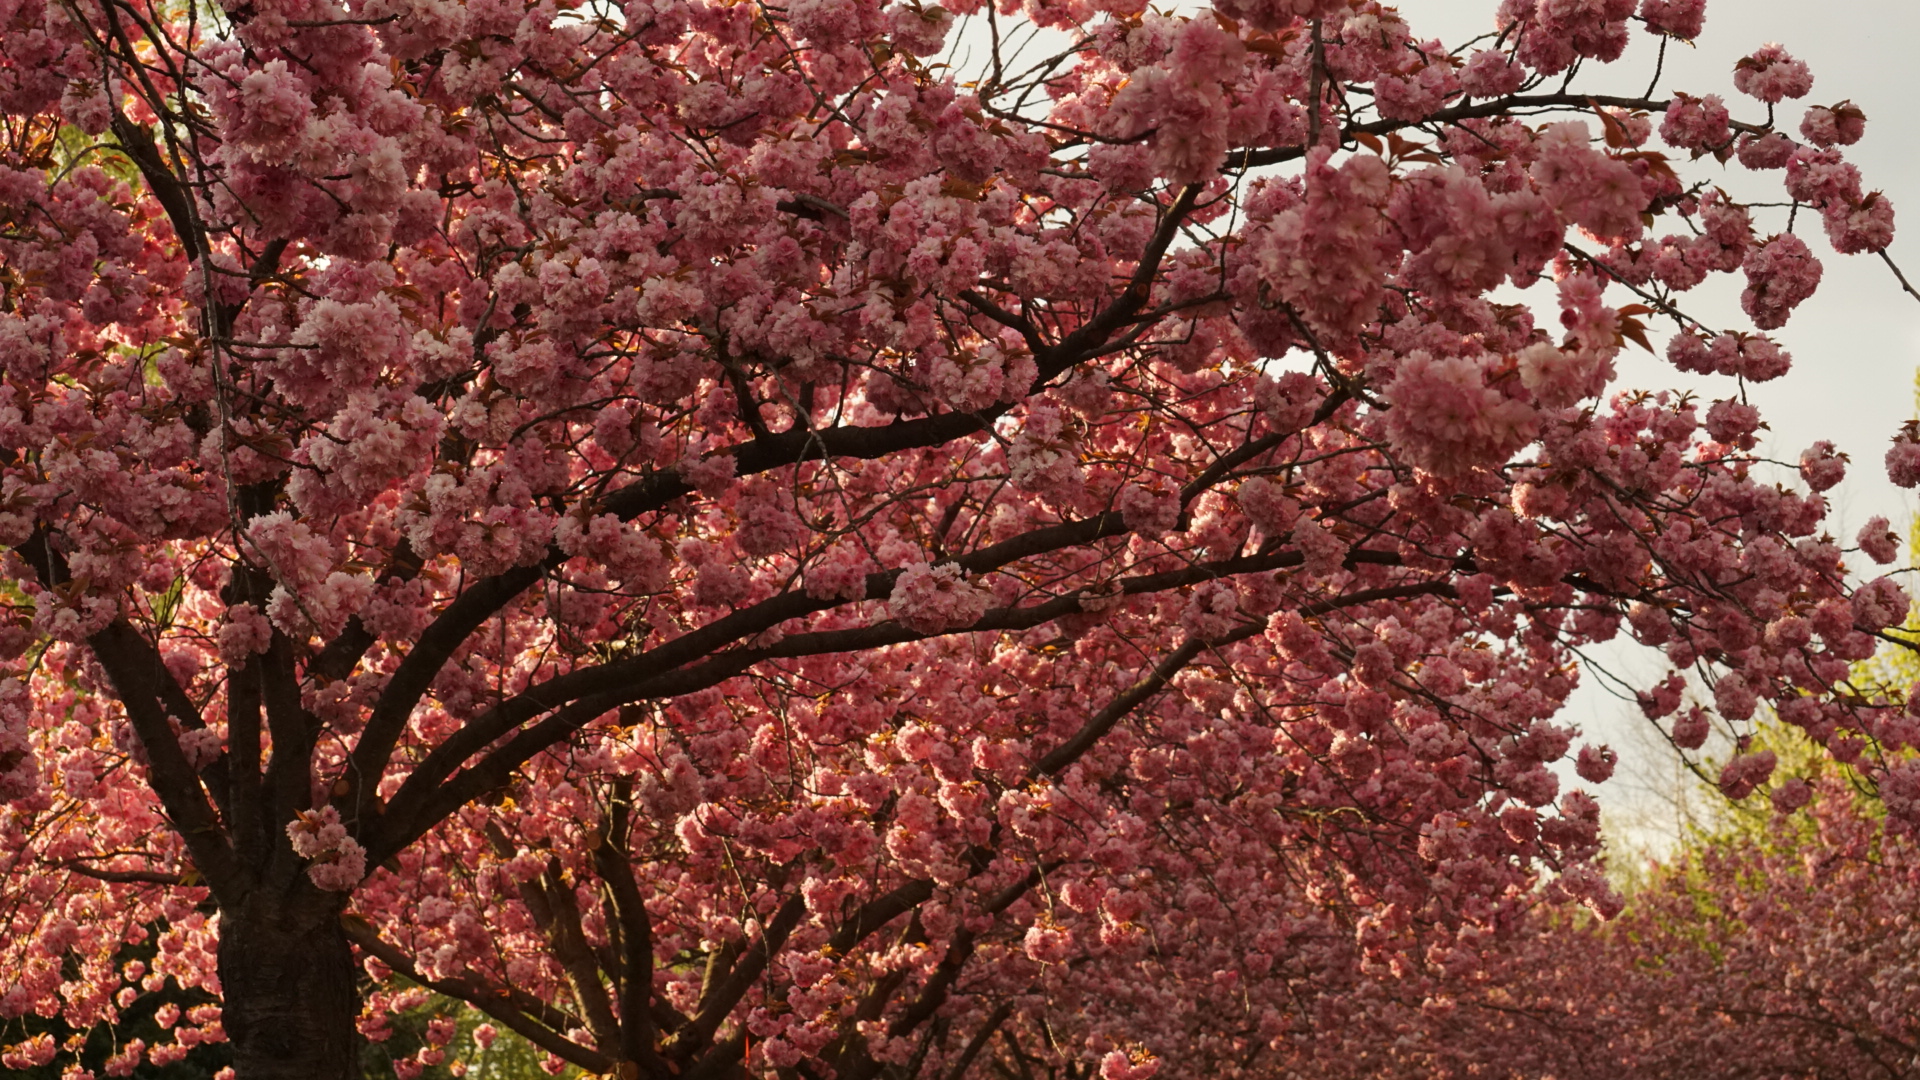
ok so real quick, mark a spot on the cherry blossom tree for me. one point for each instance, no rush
(737, 547)
(1782, 947)
(1772, 942)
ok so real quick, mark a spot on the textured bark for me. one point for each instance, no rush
(286, 972)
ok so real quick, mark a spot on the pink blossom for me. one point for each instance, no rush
(1745, 772)
(1211, 613)
(703, 469)
(840, 572)
(1450, 419)
(1042, 456)
(934, 599)
(1880, 603)
(34, 1052)
(1821, 177)
(1697, 124)
(921, 31)
(273, 111)
(768, 523)
(338, 862)
(1491, 73)
(1733, 422)
(1903, 461)
(1596, 763)
(1119, 1065)
(1734, 696)
(630, 553)
(1822, 466)
(1688, 352)
(1770, 151)
(1880, 543)
(1842, 124)
(1691, 728)
(1048, 943)
(1595, 191)
(1148, 512)
(1900, 791)
(246, 633)
(1321, 549)
(1790, 795)
(1754, 357)
(1275, 14)
(1682, 19)
(87, 105)
(1859, 225)
(1770, 74)
(1780, 274)
(1559, 377)
(1267, 506)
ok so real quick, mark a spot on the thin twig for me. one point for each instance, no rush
(1905, 285)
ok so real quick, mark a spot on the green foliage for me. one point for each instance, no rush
(1752, 820)
(510, 1057)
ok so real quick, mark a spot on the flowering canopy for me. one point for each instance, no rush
(731, 545)
(1785, 952)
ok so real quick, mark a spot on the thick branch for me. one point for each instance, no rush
(341, 655)
(433, 791)
(126, 877)
(495, 1004)
(137, 677)
(247, 822)
(978, 1042)
(140, 148)
(1252, 159)
(288, 785)
(720, 999)
(878, 912)
(569, 942)
(1060, 757)
(636, 934)
(431, 794)
(417, 671)
(1093, 334)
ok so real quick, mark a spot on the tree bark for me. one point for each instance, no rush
(287, 976)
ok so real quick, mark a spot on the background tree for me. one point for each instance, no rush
(1781, 948)
(1775, 942)
(1775, 939)
(733, 548)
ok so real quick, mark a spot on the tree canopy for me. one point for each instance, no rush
(737, 546)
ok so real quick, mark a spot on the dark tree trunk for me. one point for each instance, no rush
(287, 977)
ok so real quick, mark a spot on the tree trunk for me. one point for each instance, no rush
(287, 977)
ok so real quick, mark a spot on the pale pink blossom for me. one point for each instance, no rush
(1682, 19)
(1822, 466)
(1841, 124)
(1780, 275)
(1903, 461)
(1770, 74)
(1697, 124)
(1880, 543)
(935, 599)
